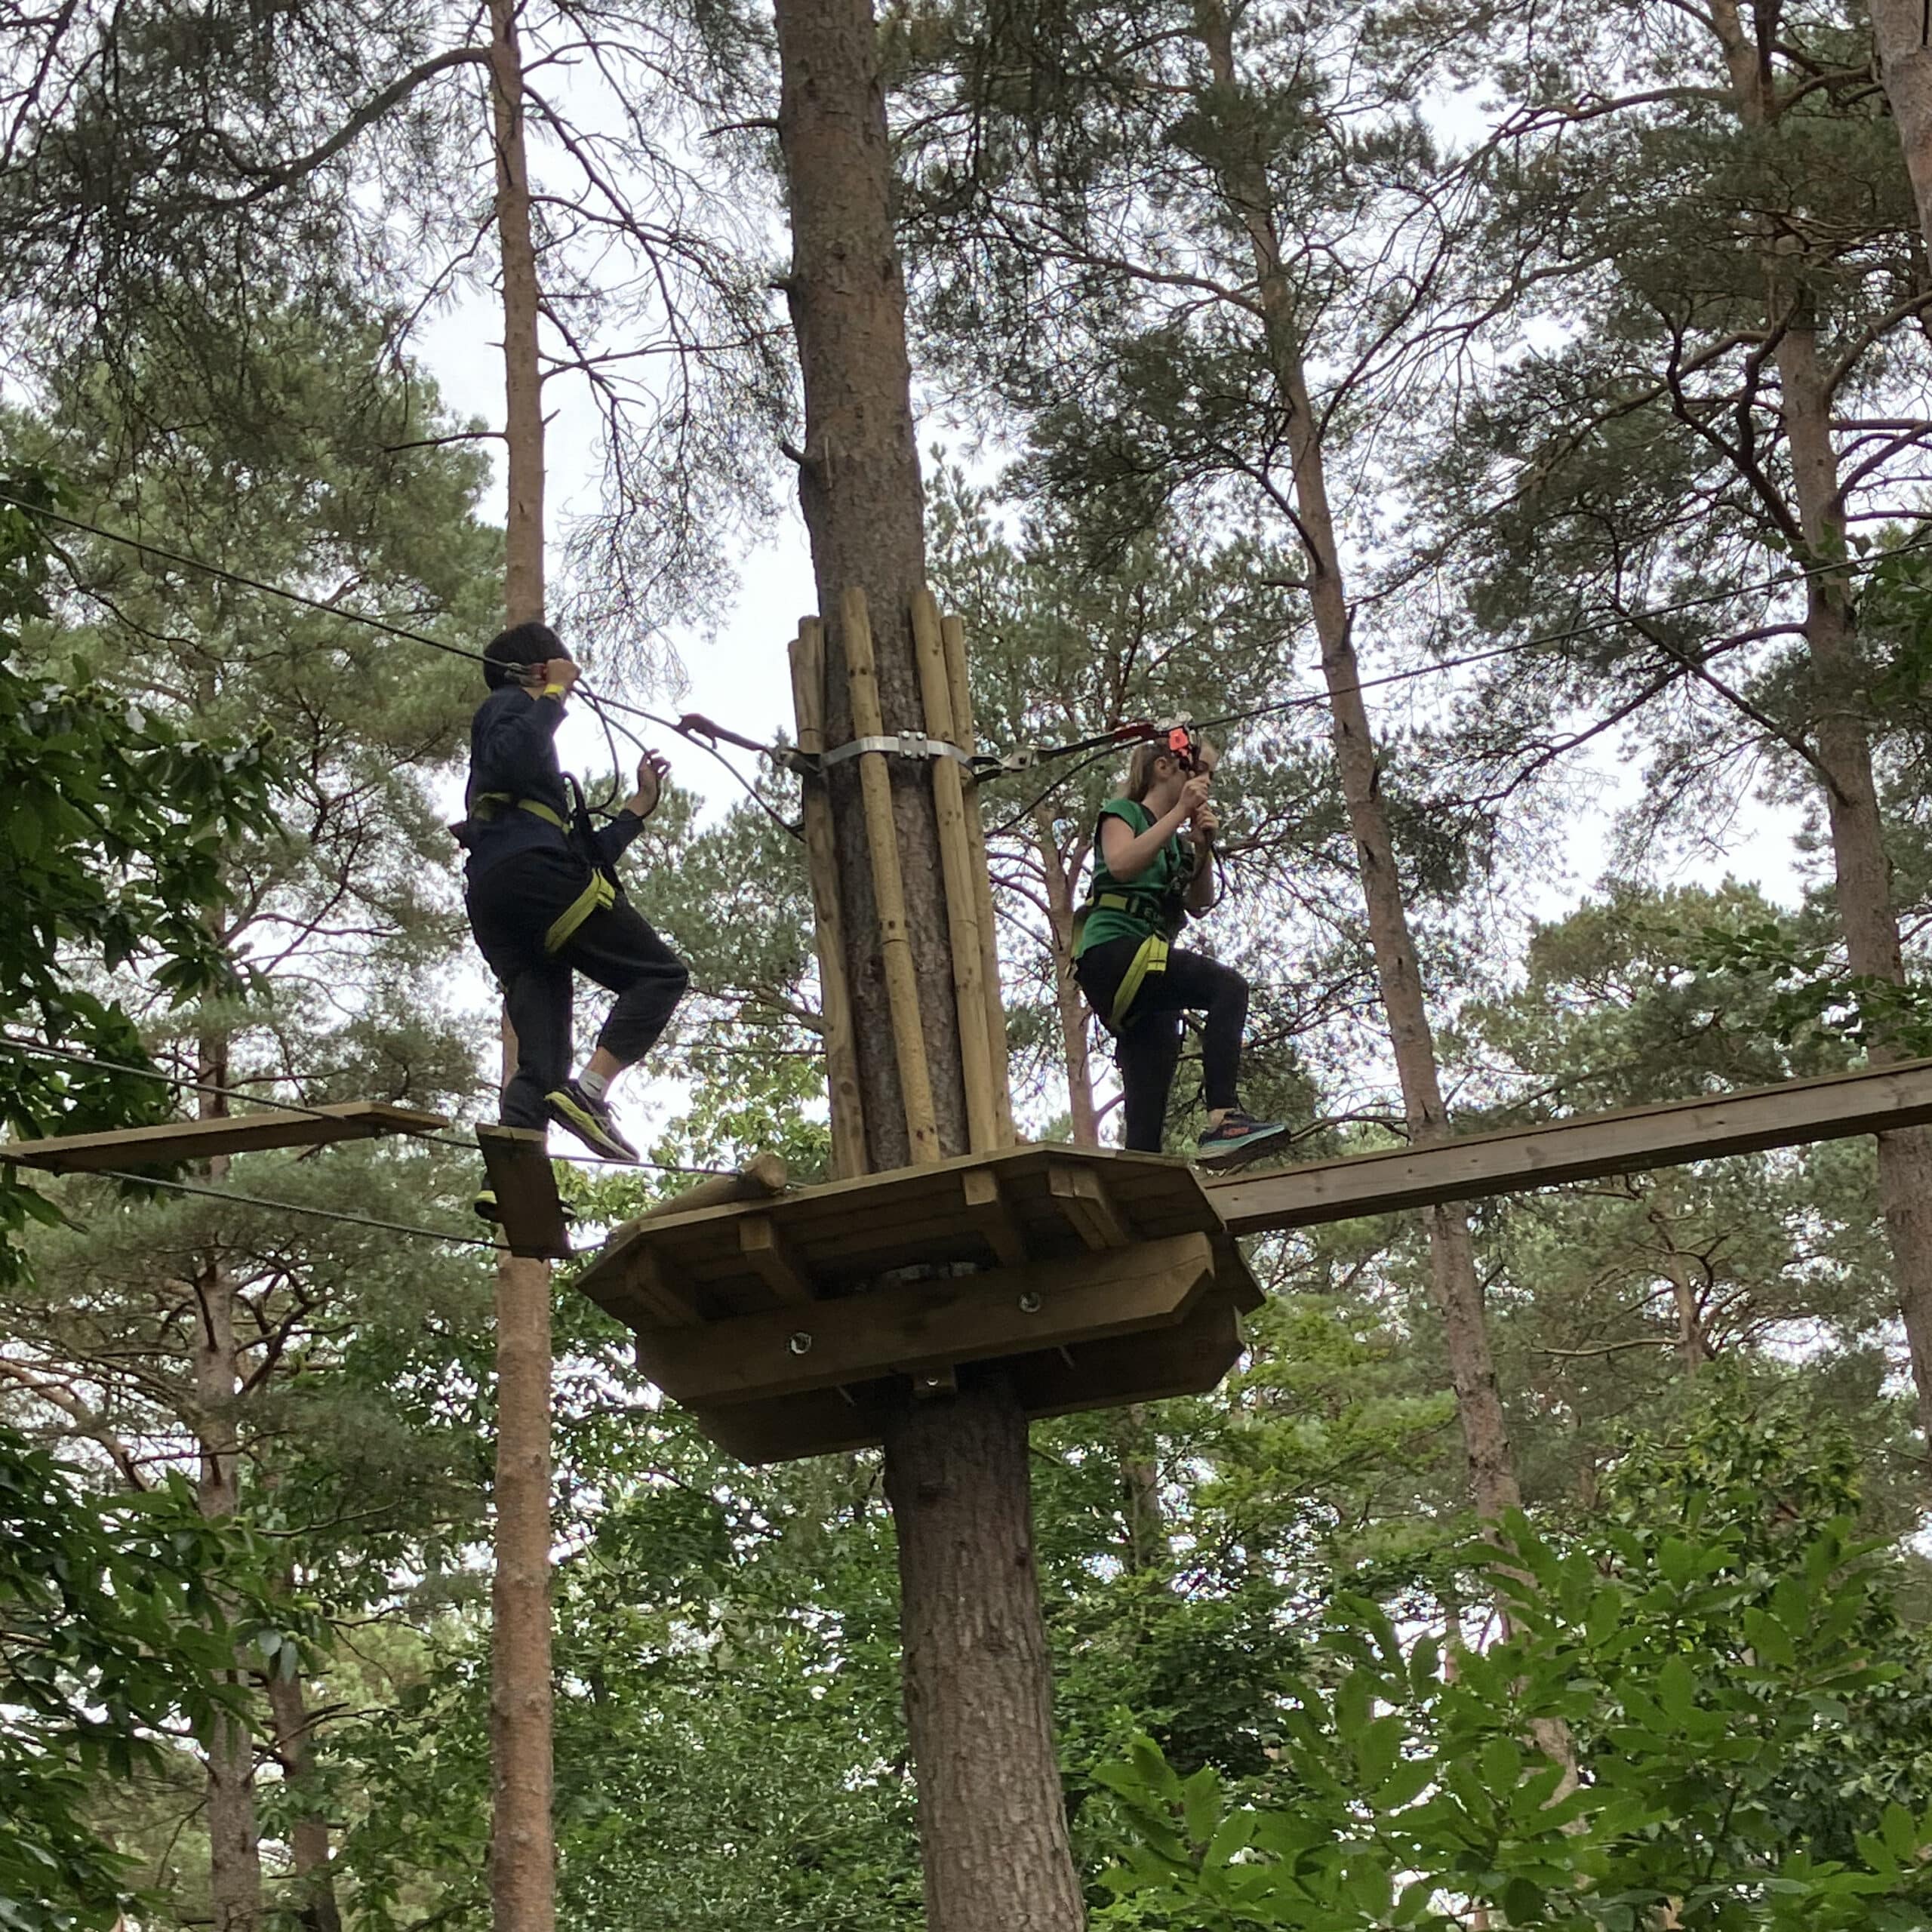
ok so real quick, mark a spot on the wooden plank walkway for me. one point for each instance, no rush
(175, 1141)
(1588, 1147)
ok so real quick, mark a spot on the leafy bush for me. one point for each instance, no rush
(1730, 1687)
(118, 1621)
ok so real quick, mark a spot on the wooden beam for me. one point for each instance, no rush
(1188, 1358)
(1588, 1147)
(528, 1207)
(176, 1141)
(992, 1214)
(925, 1325)
(956, 864)
(1084, 1204)
(771, 1255)
(644, 1299)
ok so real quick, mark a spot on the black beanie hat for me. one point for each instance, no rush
(522, 644)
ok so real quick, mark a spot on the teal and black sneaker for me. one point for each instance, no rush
(1238, 1138)
(570, 1106)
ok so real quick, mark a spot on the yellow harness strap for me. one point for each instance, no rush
(536, 806)
(1152, 958)
(597, 896)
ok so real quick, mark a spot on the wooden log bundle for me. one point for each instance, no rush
(971, 936)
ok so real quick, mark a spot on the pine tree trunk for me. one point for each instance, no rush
(235, 1859)
(1069, 1004)
(1862, 866)
(522, 1847)
(1456, 1290)
(1693, 1345)
(1146, 1544)
(523, 382)
(1905, 64)
(315, 1907)
(978, 1686)
(862, 501)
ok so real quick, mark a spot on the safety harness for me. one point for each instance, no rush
(1164, 907)
(598, 897)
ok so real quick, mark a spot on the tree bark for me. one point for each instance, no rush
(978, 1687)
(860, 494)
(1693, 1348)
(1457, 1292)
(315, 1907)
(522, 1846)
(1069, 1003)
(1862, 866)
(235, 1858)
(1905, 65)
(523, 381)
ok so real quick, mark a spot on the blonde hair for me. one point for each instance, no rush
(1149, 752)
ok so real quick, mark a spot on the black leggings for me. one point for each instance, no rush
(1147, 1049)
(511, 908)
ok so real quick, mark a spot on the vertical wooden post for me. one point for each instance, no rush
(902, 981)
(962, 898)
(841, 1054)
(952, 634)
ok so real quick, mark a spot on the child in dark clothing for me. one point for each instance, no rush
(541, 889)
(1149, 879)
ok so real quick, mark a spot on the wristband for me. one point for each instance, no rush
(552, 691)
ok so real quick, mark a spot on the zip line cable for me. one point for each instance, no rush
(598, 702)
(7, 1041)
(1783, 581)
(701, 732)
(294, 1207)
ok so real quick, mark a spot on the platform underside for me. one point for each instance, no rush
(793, 1326)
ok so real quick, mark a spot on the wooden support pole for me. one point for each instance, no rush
(952, 636)
(901, 980)
(841, 1052)
(962, 897)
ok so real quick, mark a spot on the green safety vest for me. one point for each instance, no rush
(1151, 908)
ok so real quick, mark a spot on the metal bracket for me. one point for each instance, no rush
(898, 744)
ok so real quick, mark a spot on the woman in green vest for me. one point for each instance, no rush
(1153, 869)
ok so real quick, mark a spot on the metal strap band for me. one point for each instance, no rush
(899, 744)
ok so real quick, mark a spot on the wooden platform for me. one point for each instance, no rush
(176, 1141)
(788, 1325)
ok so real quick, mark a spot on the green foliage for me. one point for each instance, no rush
(1713, 1646)
(1809, 995)
(111, 830)
(118, 1622)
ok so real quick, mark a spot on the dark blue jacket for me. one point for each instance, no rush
(513, 749)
